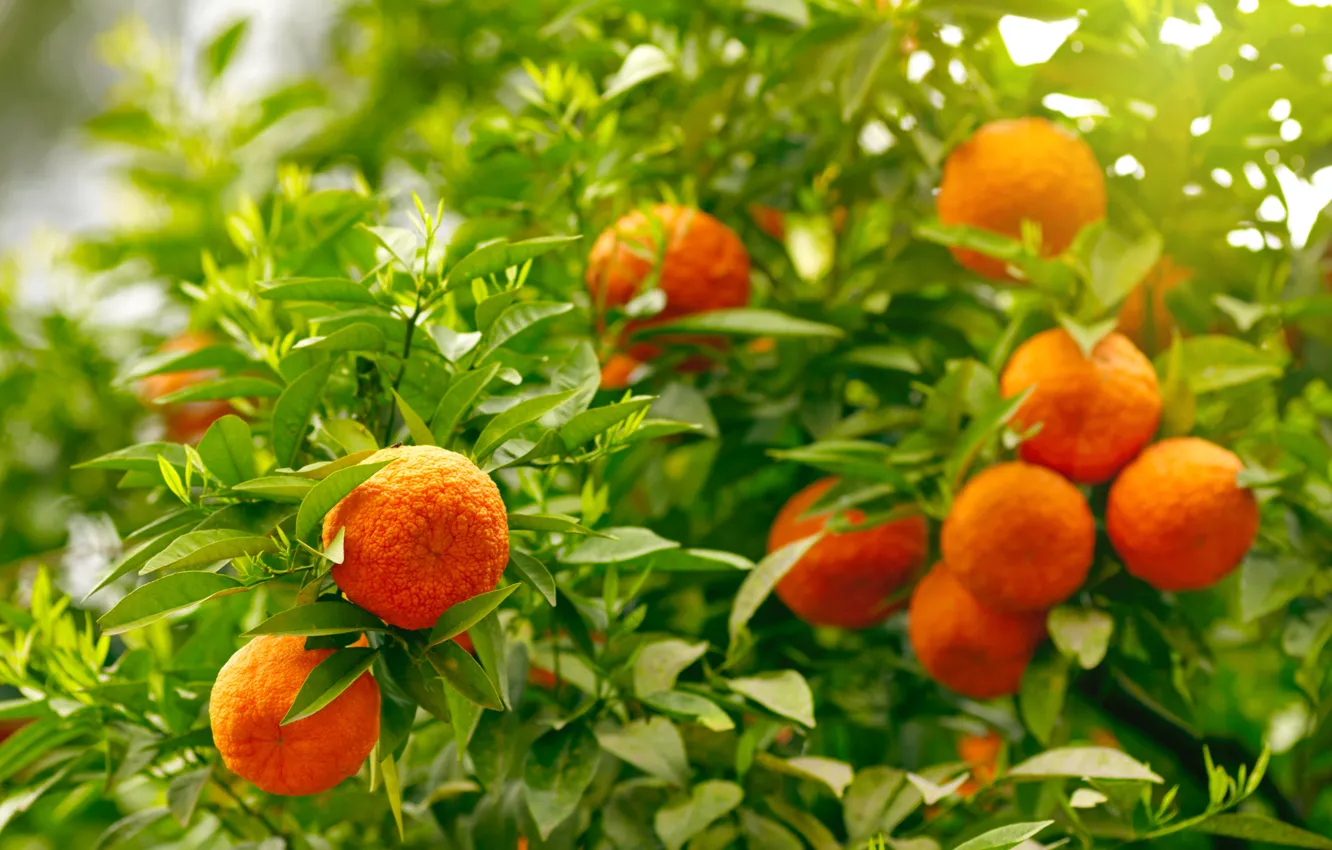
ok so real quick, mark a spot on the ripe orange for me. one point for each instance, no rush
(846, 579)
(186, 422)
(1178, 517)
(966, 646)
(981, 754)
(425, 533)
(699, 263)
(617, 371)
(1016, 169)
(1095, 412)
(1163, 277)
(254, 691)
(1019, 537)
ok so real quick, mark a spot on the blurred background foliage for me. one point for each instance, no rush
(527, 118)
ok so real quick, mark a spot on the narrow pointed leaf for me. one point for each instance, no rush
(533, 573)
(183, 793)
(762, 579)
(291, 414)
(329, 679)
(421, 435)
(327, 493)
(361, 336)
(168, 594)
(745, 321)
(557, 523)
(468, 613)
(463, 672)
(508, 423)
(498, 256)
(276, 488)
(320, 618)
(330, 289)
(592, 423)
(517, 319)
(140, 458)
(209, 546)
(225, 388)
(458, 400)
(227, 450)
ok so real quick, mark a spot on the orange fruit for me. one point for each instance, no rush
(425, 533)
(254, 691)
(846, 579)
(700, 265)
(1016, 169)
(1163, 277)
(1178, 517)
(1105, 738)
(1095, 412)
(1019, 537)
(186, 422)
(770, 220)
(618, 370)
(966, 646)
(981, 754)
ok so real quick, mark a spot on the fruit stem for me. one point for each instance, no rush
(402, 369)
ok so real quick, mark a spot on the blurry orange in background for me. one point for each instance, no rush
(1163, 277)
(186, 422)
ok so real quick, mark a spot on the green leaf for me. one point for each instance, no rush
(351, 435)
(218, 54)
(462, 616)
(276, 488)
(554, 523)
(699, 560)
(1042, 694)
(323, 469)
(978, 432)
(1262, 829)
(783, 692)
(329, 679)
(874, 47)
(517, 319)
(560, 766)
(155, 600)
(1179, 404)
(140, 458)
(762, 579)
(592, 423)
(1118, 265)
(129, 826)
(331, 289)
(463, 672)
(498, 256)
(389, 769)
(227, 450)
(222, 357)
(458, 399)
(693, 707)
(206, 547)
(895, 358)
(224, 389)
(133, 561)
(489, 310)
(680, 820)
(291, 414)
(652, 745)
(618, 544)
(1088, 762)
(490, 648)
(401, 244)
(508, 423)
(464, 715)
(644, 62)
(660, 663)
(415, 425)
(746, 321)
(361, 336)
(1213, 363)
(836, 775)
(183, 793)
(173, 482)
(1268, 582)
(1087, 336)
(327, 493)
(865, 802)
(334, 617)
(533, 573)
(794, 11)
(1081, 633)
(1005, 836)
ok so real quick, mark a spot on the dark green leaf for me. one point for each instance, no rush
(508, 423)
(618, 544)
(464, 714)
(351, 435)
(129, 826)
(977, 433)
(746, 321)
(533, 573)
(517, 319)
(463, 672)
(220, 50)
(276, 488)
(653, 745)
(329, 679)
(462, 616)
(320, 618)
(168, 594)
(592, 423)
(794, 11)
(560, 766)
(292, 413)
(222, 357)
(873, 48)
(327, 493)
(134, 561)
(458, 399)
(1262, 829)
(762, 579)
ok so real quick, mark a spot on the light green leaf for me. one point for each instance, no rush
(682, 819)
(276, 488)
(1081, 633)
(895, 358)
(322, 469)
(932, 792)
(873, 48)
(157, 599)
(1213, 363)
(554, 523)
(1268, 582)
(209, 546)
(458, 400)
(1086, 798)
(1087, 337)
(745, 321)
(415, 425)
(291, 414)
(1005, 836)
(327, 493)
(1119, 265)
(660, 663)
(653, 745)
(134, 560)
(183, 793)
(643, 62)
(836, 775)
(1041, 695)
(517, 319)
(865, 802)
(783, 692)
(508, 423)
(351, 435)
(328, 289)
(1084, 762)
(794, 11)
(222, 357)
(462, 616)
(227, 450)
(762, 579)
(533, 573)
(140, 458)
(329, 679)
(498, 256)
(619, 544)
(693, 707)
(592, 423)
(1262, 829)
(699, 560)
(333, 617)
(361, 336)
(388, 768)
